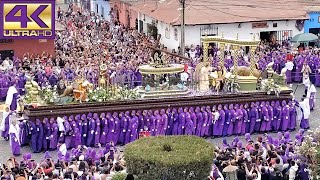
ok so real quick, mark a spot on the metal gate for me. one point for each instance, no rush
(284, 35)
(209, 30)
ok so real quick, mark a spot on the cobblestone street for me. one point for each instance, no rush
(5, 151)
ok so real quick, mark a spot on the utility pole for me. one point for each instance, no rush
(182, 41)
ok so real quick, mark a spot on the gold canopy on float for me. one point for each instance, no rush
(247, 83)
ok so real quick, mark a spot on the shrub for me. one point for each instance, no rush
(169, 157)
(119, 176)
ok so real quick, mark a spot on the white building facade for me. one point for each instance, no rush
(101, 7)
(170, 35)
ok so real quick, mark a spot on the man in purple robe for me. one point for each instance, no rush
(239, 120)
(84, 124)
(97, 131)
(285, 114)
(253, 116)
(204, 128)
(270, 117)
(277, 112)
(78, 122)
(153, 123)
(141, 121)
(34, 136)
(170, 122)
(91, 129)
(157, 122)
(40, 136)
(175, 121)
(292, 116)
(14, 138)
(264, 117)
(193, 118)
(54, 134)
(12, 97)
(210, 121)
(24, 133)
(134, 129)
(117, 128)
(245, 118)
(182, 121)
(146, 120)
(104, 128)
(226, 121)
(68, 131)
(123, 128)
(199, 121)
(127, 129)
(218, 124)
(111, 128)
(163, 124)
(189, 127)
(258, 121)
(232, 117)
(76, 138)
(47, 134)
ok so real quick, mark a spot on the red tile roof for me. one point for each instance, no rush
(222, 11)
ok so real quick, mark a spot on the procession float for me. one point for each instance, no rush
(165, 85)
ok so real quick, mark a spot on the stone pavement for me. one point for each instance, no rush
(5, 151)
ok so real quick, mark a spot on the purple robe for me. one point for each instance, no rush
(153, 123)
(47, 134)
(128, 129)
(104, 128)
(77, 138)
(41, 135)
(157, 122)
(232, 117)
(134, 130)
(111, 128)
(293, 115)
(189, 127)
(271, 117)
(170, 122)
(163, 124)
(285, 114)
(182, 122)
(117, 128)
(219, 125)
(24, 133)
(14, 139)
(193, 118)
(264, 117)
(210, 122)
(91, 129)
(175, 122)
(140, 121)
(34, 136)
(204, 128)
(199, 121)
(123, 128)
(54, 134)
(258, 121)
(5, 133)
(84, 134)
(239, 120)
(253, 116)
(68, 132)
(317, 77)
(97, 130)
(226, 121)
(245, 117)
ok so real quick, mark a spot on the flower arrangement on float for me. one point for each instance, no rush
(309, 152)
(113, 94)
(49, 94)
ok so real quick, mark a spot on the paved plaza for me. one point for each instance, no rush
(5, 151)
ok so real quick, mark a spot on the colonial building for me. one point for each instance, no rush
(270, 20)
(101, 7)
(124, 13)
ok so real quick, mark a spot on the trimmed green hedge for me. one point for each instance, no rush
(169, 158)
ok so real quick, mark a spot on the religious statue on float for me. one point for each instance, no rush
(79, 89)
(103, 82)
(159, 60)
(204, 83)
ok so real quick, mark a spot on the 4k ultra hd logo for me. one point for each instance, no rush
(27, 19)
